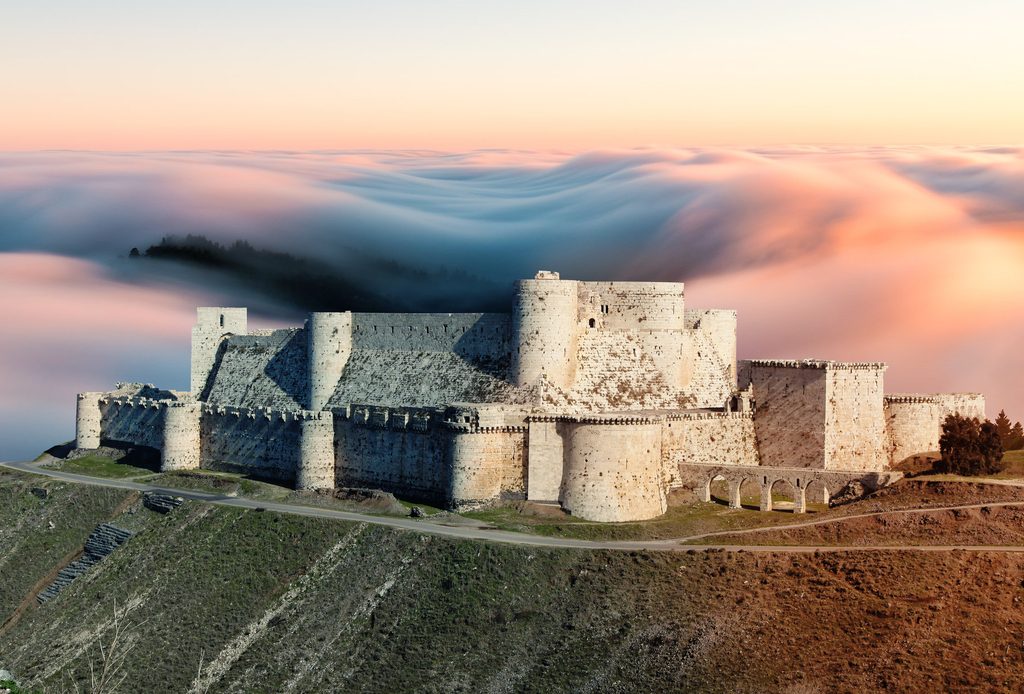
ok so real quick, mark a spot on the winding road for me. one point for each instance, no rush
(480, 532)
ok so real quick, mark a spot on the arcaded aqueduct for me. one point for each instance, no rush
(603, 397)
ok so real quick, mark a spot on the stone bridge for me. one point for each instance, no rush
(801, 483)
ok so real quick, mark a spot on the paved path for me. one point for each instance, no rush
(493, 535)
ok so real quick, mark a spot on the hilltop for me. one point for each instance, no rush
(224, 599)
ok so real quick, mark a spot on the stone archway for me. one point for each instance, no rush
(816, 492)
(748, 492)
(782, 487)
(722, 490)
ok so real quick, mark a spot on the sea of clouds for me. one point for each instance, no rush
(909, 255)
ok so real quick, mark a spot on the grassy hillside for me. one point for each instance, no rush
(218, 599)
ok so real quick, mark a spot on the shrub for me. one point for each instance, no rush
(970, 446)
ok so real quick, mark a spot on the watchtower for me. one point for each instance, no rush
(213, 324)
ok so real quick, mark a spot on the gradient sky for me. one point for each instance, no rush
(302, 74)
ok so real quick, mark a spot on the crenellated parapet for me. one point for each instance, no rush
(910, 398)
(819, 364)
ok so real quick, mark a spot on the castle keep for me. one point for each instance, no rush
(599, 396)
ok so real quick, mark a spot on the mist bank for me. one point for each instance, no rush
(910, 255)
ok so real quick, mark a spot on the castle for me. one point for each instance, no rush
(602, 397)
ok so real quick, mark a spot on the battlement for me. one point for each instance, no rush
(818, 364)
(911, 398)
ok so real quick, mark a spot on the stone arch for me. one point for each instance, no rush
(785, 485)
(729, 495)
(748, 487)
(817, 492)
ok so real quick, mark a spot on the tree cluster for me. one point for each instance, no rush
(970, 446)
(1011, 436)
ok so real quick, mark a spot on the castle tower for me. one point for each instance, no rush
(316, 452)
(329, 337)
(87, 421)
(544, 323)
(613, 470)
(181, 439)
(213, 323)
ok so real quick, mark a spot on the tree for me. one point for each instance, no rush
(1003, 427)
(1016, 441)
(970, 446)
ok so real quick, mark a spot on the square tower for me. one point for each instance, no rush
(823, 415)
(213, 323)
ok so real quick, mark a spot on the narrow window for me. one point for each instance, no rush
(593, 323)
(222, 320)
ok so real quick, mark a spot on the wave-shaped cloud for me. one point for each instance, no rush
(909, 255)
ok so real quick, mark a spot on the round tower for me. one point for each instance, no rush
(181, 439)
(544, 319)
(329, 338)
(87, 421)
(613, 471)
(316, 452)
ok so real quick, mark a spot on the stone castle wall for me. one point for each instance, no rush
(963, 404)
(135, 421)
(912, 425)
(707, 438)
(263, 443)
(596, 394)
(473, 336)
(259, 371)
(914, 421)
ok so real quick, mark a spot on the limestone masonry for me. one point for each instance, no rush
(599, 396)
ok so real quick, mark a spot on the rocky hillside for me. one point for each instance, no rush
(223, 600)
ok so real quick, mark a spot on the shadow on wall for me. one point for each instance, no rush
(288, 367)
(487, 344)
(211, 378)
(257, 445)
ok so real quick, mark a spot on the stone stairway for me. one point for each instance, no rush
(103, 540)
